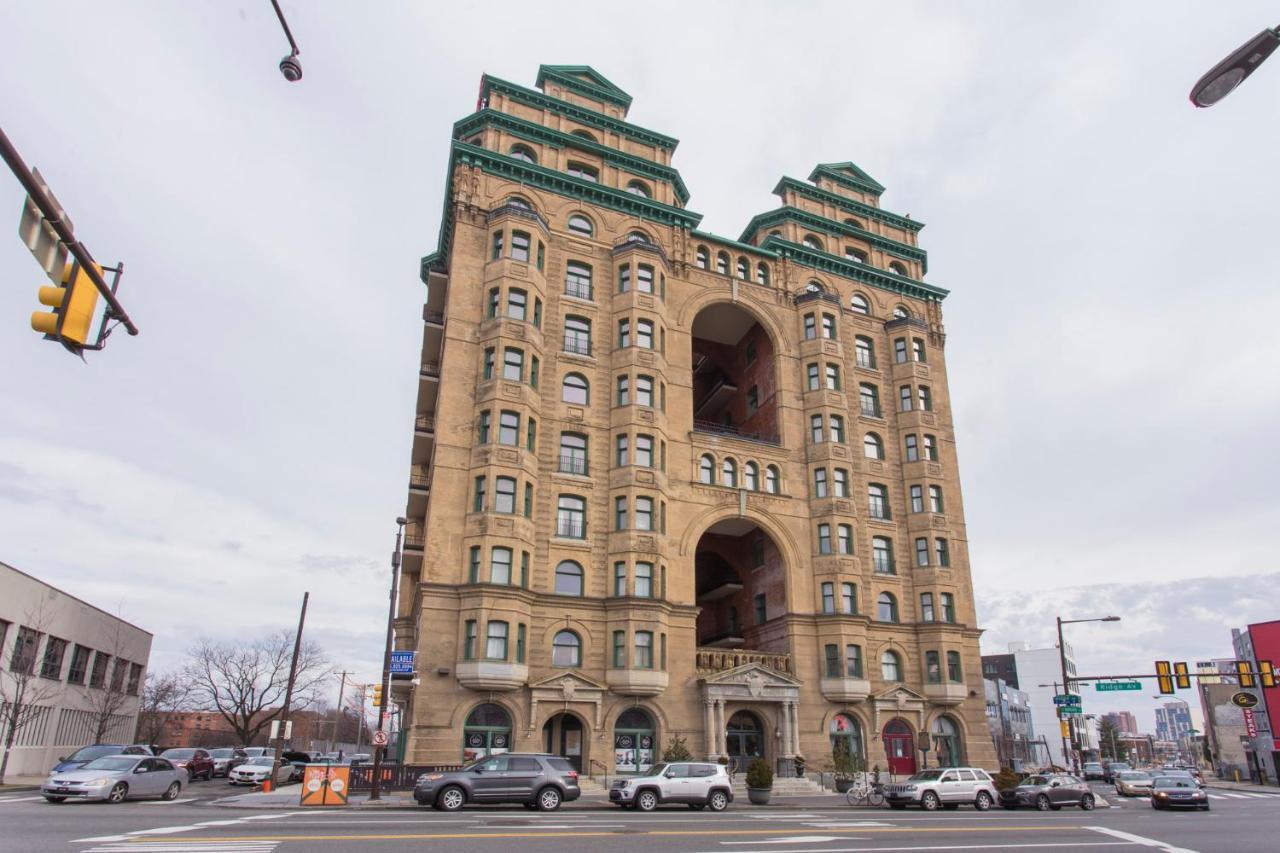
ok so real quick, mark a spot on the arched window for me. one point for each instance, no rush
(707, 469)
(729, 474)
(887, 607)
(634, 736)
(852, 254)
(580, 224)
(523, 152)
(901, 312)
(575, 389)
(859, 304)
(890, 666)
(639, 237)
(577, 338)
(762, 274)
(812, 242)
(566, 649)
(519, 202)
(846, 738)
(947, 743)
(571, 517)
(855, 223)
(743, 268)
(702, 258)
(487, 729)
(583, 171)
(722, 263)
(814, 287)
(751, 476)
(584, 134)
(577, 280)
(771, 479)
(900, 269)
(569, 578)
(639, 188)
(864, 352)
(872, 446)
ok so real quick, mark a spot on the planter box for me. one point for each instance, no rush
(759, 796)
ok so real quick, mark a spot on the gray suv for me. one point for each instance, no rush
(538, 781)
(947, 787)
(696, 783)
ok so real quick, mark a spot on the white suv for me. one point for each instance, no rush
(948, 787)
(697, 783)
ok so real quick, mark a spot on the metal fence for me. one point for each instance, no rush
(395, 777)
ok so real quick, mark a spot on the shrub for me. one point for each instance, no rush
(677, 750)
(1006, 779)
(724, 759)
(759, 774)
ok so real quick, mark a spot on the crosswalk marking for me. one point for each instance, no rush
(190, 847)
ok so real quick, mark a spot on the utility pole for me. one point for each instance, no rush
(288, 691)
(342, 685)
(375, 792)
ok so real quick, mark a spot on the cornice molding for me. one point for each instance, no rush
(848, 204)
(534, 98)
(881, 279)
(813, 220)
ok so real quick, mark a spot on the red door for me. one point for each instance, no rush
(899, 748)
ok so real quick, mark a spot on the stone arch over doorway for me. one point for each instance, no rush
(898, 739)
(635, 740)
(488, 729)
(568, 734)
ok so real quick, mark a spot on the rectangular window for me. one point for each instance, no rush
(814, 377)
(644, 391)
(495, 298)
(930, 448)
(624, 334)
(761, 608)
(829, 327)
(528, 500)
(644, 279)
(504, 495)
(819, 482)
(828, 597)
(900, 350)
(619, 649)
(824, 538)
(469, 641)
(926, 607)
(844, 538)
(619, 513)
(624, 279)
(904, 396)
(621, 454)
(644, 650)
(810, 327)
(833, 661)
(833, 377)
(496, 641)
(922, 552)
(925, 398)
(942, 552)
(79, 665)
(917, 499)
(917, 349)
(869, 401)
(624, 391)
(537, 313)
(815, 429)
(882, 556)
(497, 245)
(509, 429)
(644, 580)
(520, 634)
(478, 505)
(853, 661)
(620, 579)
(935, 499)
(577, 280)
(513, 364)
(533, 372)
(519, 246)
(98, 675)
(524, 569)
(948, 607)
(500, 566)
(488, 363)
(753, 400)
(932, 667)
(848, 598)
(953, 668)
(644, 451)
(837, 429)
(135, 679)
(841, 482)
(51, 665)
(644, 513)
(912, 447)
(473, 565)
(877, 501)
(531, 435)
(517, 304)
(750, 353)
(644, 334)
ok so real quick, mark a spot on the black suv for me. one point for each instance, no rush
(538, 781)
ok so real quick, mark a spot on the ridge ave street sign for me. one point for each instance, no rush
(1066, 699)
(1104, 686)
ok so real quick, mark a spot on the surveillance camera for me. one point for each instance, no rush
(291, 68)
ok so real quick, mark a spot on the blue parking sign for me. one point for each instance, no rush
(402, 663)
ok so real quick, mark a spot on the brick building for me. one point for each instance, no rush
(665, 483)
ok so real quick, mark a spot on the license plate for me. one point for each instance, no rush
(62, 790)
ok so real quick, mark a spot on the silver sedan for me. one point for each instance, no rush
(116, 778)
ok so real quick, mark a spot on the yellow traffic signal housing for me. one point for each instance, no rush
(1181, 675)
(1244, 671)
(1266, 674)
(1163, 678)
(377, 695)
(73, 307)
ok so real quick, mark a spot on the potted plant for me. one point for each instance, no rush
(799, 762)
(759, 782)
(845, 765)
(677, 750)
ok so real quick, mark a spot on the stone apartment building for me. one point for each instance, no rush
(666, 483)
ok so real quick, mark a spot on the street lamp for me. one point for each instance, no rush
(1231, 72)
(375, 790)
(290, 67)
(1066, 682)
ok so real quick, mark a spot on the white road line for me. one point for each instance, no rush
(21, 799)
(798, 839)
(1256, 796)
(167, 802)
(1139, 839)
(1073, 845)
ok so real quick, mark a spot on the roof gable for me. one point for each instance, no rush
(584, 80)
(849, 174)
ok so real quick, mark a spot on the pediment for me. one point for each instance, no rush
(752, 675)
(568, 683)
(897, 694)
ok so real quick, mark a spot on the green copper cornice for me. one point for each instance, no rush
(589, 117)
(847, 174)
(539, 133)
(848, 204)
(822, 223)
(725, 242)
(882, 279)
(571, 77)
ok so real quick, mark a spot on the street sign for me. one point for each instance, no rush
(1070, 710)
(1250, 723)
(1244, 700)
(1066, 699)
(39, 236)
(380, 737)
(402, 663)
(1119, 685)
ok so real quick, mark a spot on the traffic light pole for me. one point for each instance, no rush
(288, 690)
(51, 215)
(375, 791)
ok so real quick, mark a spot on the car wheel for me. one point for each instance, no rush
(982, 802)
(172, 793)
(1156, 805)
(1042, 803)
(118, 793)
(549, 799)
(451, 799)
(929, 801)
(1086, 803)
(646, 801)
(719, 801)
(56, 799)
(208, 775)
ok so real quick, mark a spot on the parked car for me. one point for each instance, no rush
(85, 754)
(1170, 792)
(360, 758)
(1092, 770)
(1049, 791)
(115, 778)
(259, 751)
(947, 787)
(197, 762)
(257, 770)
(698, 784)
(1133, 783)
(538, 780)
(1114, 769)
(227, 758)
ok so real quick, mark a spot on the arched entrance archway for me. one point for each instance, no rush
(899, 747)
(739, 585)
(734, 375)
(563, 735)
(948, 746)
(744, 738)
(487, 731)
(846, 738)
(634, 741)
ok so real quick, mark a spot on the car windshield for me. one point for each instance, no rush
(926, 776)
(222, 753)
(178, 753)
(262, 760)
(1037, 780)
(1173, 782)
(89, 753)
(657, 770)
(1133, 776)
(1093, 767)
(114, 762)
(1119, 766)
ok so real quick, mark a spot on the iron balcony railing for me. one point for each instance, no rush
(571, 528)
(519, 212)
(811, 295)
(761, 436)
(577, 289)
(627, 243)
(436, 317)
(431, 368)
(573, 465)
(425, 423)
(577, 345)
(898, 322)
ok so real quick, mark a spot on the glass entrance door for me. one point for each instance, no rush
(744, 738)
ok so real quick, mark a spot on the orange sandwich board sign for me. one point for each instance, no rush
(325, 785)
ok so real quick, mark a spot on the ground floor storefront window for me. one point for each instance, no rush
(633, 742)
(486, 732)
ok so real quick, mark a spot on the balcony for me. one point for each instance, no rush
(491, 675)
(577, 290)
(845, 689)
(518, 212)
(728, 640)
(901, 322)
(628, 243)
(577, 346)
(636, 682)
(571, 528)
(947, 693)
(731, 431)
(430, 370)
(434, 318)
(816, 295)
(424, 423)
(414, 541)
(420, 478)
(708, 661)
(573, 465)
(716, 398)
(725, 589)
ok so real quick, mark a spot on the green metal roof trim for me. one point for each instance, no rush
(849, 174)
(734, 244)
(871, 276)
(534, 98)
(813, 220)
(848, 204)
(539, 133)
(598, 86)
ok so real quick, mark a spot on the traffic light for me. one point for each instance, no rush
(73, 305)
(1245, 673)
(1182, 677)
(1265, 674)
(377, 695)
(1163, 678)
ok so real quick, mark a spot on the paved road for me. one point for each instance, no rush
(1236, 823)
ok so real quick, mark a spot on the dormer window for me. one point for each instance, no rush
(523, 152)
(584, 134)
(585, 172)
(639, 188)
(812, 242)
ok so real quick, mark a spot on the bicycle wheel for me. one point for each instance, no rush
(875, 798)
(853, 796)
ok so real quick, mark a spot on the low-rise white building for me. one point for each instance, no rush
(74, 671)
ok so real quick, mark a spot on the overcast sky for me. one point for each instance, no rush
(1108, 248)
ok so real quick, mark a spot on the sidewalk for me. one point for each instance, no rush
(21, 783)
(1243, 787)
(289, 796)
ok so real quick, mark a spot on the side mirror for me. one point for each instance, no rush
(477, 769)
(141, 770)
(62, 758)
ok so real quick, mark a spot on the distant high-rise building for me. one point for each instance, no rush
(1124, 721)
(1038, 674)
(1173, 720)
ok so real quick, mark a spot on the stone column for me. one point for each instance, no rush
(795, 727)
(709, 717)
(722, 746)
(787, 723)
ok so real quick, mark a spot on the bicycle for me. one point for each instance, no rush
(868, 793)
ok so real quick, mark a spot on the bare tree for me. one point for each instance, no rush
(24, 695)
(246, 682)
(107, 695)
(161, 695)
